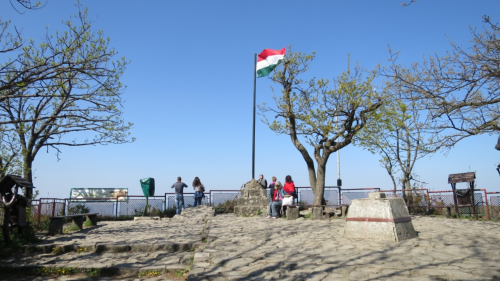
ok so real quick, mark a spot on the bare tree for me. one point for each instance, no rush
(461, 90)
(73, 97)
(327, 118)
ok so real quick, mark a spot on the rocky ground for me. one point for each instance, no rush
(203, 247)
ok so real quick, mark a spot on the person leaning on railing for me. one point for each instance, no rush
(199, 188)
(179, 195)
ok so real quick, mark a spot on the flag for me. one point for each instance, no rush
(268, 60)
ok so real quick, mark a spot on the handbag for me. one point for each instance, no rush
(288, 200)
(202, 189)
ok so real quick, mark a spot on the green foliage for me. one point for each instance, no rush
(307, 216)
(87, 223)
(180, 273)
(400, 134)
(57, 250)
(94, 272)
(259, 212)
(325, 114)
(227, 207)
(72, 227)
(78, 209)
(74, 79)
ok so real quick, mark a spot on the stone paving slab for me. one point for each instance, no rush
(261, 249)
(255, 248)
(122, 248)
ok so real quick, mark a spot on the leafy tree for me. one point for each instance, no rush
(400, 135)
(460, 90)
(66, 86)
(327, 118)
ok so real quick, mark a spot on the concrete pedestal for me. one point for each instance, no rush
(379, 218)
(292, 213)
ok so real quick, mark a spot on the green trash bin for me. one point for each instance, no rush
(148, 186)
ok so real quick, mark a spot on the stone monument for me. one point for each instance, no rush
(253, 198)
(379, 218)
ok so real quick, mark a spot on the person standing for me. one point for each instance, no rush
(290, 187)
(262, 181)
(179, 195)
(199, 188)
(271, 189)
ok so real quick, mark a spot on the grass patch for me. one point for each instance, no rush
(88, 223)
(180, 273)
(94, 272)
(149, 273)
(57, 250)
(307, 216)
(73, 227)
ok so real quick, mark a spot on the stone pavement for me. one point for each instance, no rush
(255, 248)
(262, 249)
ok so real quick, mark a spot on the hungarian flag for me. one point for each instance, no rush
(268, 60)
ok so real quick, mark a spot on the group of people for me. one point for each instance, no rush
(277, 193)
(179, 186)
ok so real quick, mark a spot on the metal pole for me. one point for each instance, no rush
(254, 100)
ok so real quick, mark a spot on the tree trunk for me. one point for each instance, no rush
(28, 172)
(319, 188)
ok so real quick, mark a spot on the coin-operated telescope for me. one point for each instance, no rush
(14, 203)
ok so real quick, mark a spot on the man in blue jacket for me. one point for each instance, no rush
(179, 197)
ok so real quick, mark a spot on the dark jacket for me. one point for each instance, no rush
(262, 182)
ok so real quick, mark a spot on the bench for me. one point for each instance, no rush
(317, 211)
(56, 223)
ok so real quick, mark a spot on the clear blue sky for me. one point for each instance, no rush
(190, 85)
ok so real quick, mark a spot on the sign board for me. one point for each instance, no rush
(99, 194)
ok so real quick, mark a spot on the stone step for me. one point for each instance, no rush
(110, 247)
(107, 264)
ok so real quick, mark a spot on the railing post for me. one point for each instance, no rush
(116, 211)
(53, 207)
(64, 208)
(487, 205)
(340, 197)
(428, 202)
(39, 212)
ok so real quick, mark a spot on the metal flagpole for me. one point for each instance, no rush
(254, 98)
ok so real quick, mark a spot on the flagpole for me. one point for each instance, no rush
(254, 98)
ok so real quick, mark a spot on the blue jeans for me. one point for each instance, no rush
(273, 208)
(179, 201)
(197, 198)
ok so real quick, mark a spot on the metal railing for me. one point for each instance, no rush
(487, 203)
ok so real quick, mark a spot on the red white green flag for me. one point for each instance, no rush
(268, 60)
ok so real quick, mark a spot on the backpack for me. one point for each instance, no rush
(202, 189)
